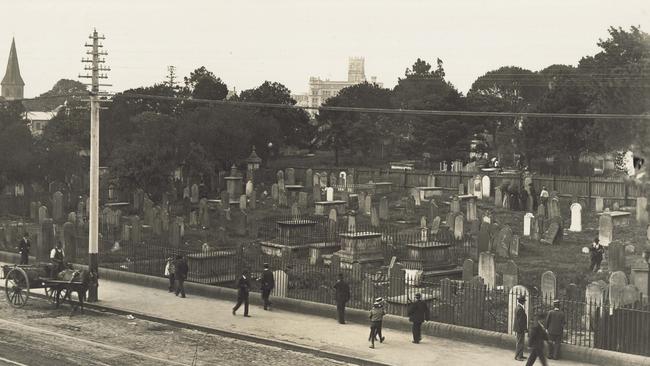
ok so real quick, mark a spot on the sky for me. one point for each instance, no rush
(248, 42)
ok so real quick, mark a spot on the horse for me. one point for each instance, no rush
(77, 281)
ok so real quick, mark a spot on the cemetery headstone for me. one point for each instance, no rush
(486, 269)
(57, 206)
(514, 246)
(374, 217)
(642, 210)
(551, 235)
(42, 214)
(243, 202)
(290, 176)
(275, 192)
(605, 229)
(329, 194)
(576, 218)
(528, 223)
(549, 286)
(476, 187)
(616, 257)
(498, 197)
(352, 224)
(455, 205)
(309, 178)
(468, 269)
(484, 238)
(435, 225)
(249, 188)
(554, 207)
(461, 189)
(510, 275)
(368, 205)
(431, 180)
(194, 194)
(302, 200)
(433, 209)
(503, 241)
(459, 230)
(383, 208)
(600, 204)
(617, 282)
(485, 187)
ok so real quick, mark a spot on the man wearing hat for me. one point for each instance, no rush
(267, 284)
(342, 295)
(538, 335)
(596, 252)
(520, 327)
(555, 320)
(418, 313)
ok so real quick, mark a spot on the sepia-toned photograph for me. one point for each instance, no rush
(325, 182)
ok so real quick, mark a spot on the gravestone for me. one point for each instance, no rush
(283, 200)
(572, 293)
(333, 179)
(459, 222)
(468, 269)
(410, 207)
(42, 214)
(45, 240)
(138, 198)
(329, 194)
(485, 187)
(362, 202)
(290, 176)
(281, 283)
(433, 209)
(343, 179)
(461, 189)
(309, 178)
(510, 275)
(576, 218)
(374, 217)
(455, 205)
(551, 235)
(279, 178)
(605, 229)
(368, 205)
(435, 225)
(594, 298)
(553, 207)
(316, 180)
(514, 246)
(600, 204)
(249, 188)
(204, 213)
(194, 193)
(549, 286)
(528, 223)
(534, 229)
(476, 187)
(352, 224)
(415, 193)
(503, 241)
(69, 240)
(353, 202)
(617, 282)
(317, 193)
(513, 294)
(486, 269)
(631, 295)
(424, 231)
(642, 210)
(471, 210)
(498, 197)
(147, 210)
(383, 208)
(484, 238)
(275, 193)
(57, 206)
(136, 229)
(302, 200)
(243, 202)
(616, 257)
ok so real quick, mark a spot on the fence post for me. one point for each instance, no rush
(625, 189)
(589, 191)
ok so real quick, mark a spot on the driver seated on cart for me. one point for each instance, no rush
(57, 259)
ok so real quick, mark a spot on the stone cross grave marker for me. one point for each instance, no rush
(576, 218)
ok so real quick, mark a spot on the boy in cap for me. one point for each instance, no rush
(376, 315)
(520, 327)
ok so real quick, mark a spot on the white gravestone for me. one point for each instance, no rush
(528, 218)
(576, 218)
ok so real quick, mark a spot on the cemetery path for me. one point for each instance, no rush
(301, 329)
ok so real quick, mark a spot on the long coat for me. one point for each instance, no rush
(537, 336)
(342, 294)
(267, 282)
(418, 312)
(521, 320)
(555, 321)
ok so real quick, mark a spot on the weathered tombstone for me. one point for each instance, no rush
(383, 208)
(329, 194)
(572, 292)
(498, 197)
(57, 206)
(194, 194)
(415, 193)
(396, 279)
(514, 246)
(290, 176)
(503, 241)
(631, 295)
(368, 204)
(410, 207)
(243, 202)
(476, 187)
(352, 224)
(69, 240)
(333, 215)
(528, 223)
(616, 257)
(513, 294)
(252, 202)
(283, 200)
(535, 229)
(642, 210)
(138, 198)
(281, 283)
(484, 238)
(605, 229)
(455, 205)
(302, 200)
(309, 178)
(435, 225)
(486, 269)
(510, 275)
(136, 229)
(594, 298)
(333, 179)
(459, 230)
(615, 206)
(42, 214)
(275, 192)
(617, 282)
(471, 210)
(553, 207)
(549, 286)
(600, 204)
(249, 188)
(204, 214)
(316, 180)
(176, 232)
(279, 175)
(374, 217)
(468, 269)
(72, 217)
(424, 230)
(295, 210)
(353, 202)
(576, 218)
(317, 193)
(362, 201)
(485, 187)
(551, 235)
(461, 189)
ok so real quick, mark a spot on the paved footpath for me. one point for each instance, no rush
(307, 330)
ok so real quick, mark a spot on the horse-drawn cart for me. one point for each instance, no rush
(20, 279)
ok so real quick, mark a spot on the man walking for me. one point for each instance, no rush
(23, 249)
(418, 313)
(342, 296)
(596, 252)
(267, 284)
(56, 256)
(536, 340)
(555, 321)
(181, 275)
(520, 327)
(243, 289)
(170, 272)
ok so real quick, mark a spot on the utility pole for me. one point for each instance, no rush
(171, 77)
(95, 68)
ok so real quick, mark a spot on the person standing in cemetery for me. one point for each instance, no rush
(596, 252)
(376, 316)
(538, 335)
(342, 296)
(267, 284)
(520, 327)
(181, 274)
(170, 272)
(418, 313)
(243, 290)
(555, 321)
(543, 198)
(56, 257)
(23, 249)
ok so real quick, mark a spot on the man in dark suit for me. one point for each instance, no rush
(536, 340)
(267, 284)
(243, 289)
(520, 327)
(181, 274)
(342, 296)
(555, 321)
(23, 249)
(418, 313)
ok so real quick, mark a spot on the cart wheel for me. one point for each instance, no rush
(50, 293)
(17, 287)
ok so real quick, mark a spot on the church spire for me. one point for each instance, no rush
(12, 83)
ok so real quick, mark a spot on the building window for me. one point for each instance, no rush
(315, 101)
(326, 93)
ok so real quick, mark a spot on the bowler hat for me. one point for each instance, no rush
(418, 296)
(521, 298)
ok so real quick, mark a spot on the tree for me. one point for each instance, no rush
(203, 84)
(353, 130)
(64, 90)
(288, 126)
(17, 160)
